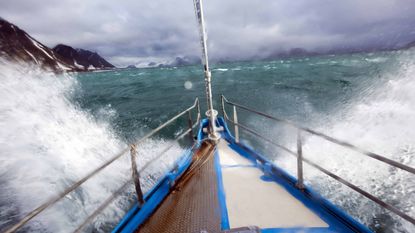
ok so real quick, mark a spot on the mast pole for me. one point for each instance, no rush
(211, 113)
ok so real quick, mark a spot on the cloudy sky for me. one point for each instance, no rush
(133, 31)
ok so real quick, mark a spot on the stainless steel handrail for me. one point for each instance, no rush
(300, 158)
(92, 173)
(328, 138)
(112, 197)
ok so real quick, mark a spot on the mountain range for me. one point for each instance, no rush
(18, 46)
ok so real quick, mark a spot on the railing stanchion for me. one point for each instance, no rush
(198, 109)
(190, 122)
(136, 176)
(223, 107)
(235, 119)
(300, 158)
(300, 178)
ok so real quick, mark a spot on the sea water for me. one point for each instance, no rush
(55, 129)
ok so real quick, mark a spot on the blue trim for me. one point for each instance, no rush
(147, 208)
(242, 153)
(153, 198)
(183, 161)
(266, 178)
(136, 215)
(298, 229)
(336, 218)
(221, 195)
(239, 165)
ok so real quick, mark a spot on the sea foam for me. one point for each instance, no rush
(382, 122)
(47, 143)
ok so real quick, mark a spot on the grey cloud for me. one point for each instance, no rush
(131, 30)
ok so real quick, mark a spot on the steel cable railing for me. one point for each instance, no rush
(122, 188)
(92, 173)
(300, 158)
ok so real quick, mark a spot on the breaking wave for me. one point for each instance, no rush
(382, 122)
(47, 143)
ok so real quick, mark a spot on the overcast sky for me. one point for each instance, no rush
(129, 31)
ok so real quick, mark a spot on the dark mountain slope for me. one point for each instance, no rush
(16, 45)
(82, 58)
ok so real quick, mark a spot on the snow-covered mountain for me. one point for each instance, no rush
(82, 58)
(18, 46)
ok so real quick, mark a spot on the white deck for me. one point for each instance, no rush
(251, 201)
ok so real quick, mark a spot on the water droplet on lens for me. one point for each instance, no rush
(188, 85)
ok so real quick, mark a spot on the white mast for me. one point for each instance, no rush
(211, 113)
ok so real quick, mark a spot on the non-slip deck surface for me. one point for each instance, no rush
(193, 206)
(251, 201)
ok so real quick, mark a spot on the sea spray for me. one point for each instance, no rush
(313, 91)
(382, 122)
(47, 143)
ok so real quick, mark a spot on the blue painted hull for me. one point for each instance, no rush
(336, 218)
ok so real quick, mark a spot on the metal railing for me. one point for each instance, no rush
(135, 172)
(299, 153)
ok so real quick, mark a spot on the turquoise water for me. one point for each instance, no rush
(63, 127)
(318, 92)
(296, 89)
